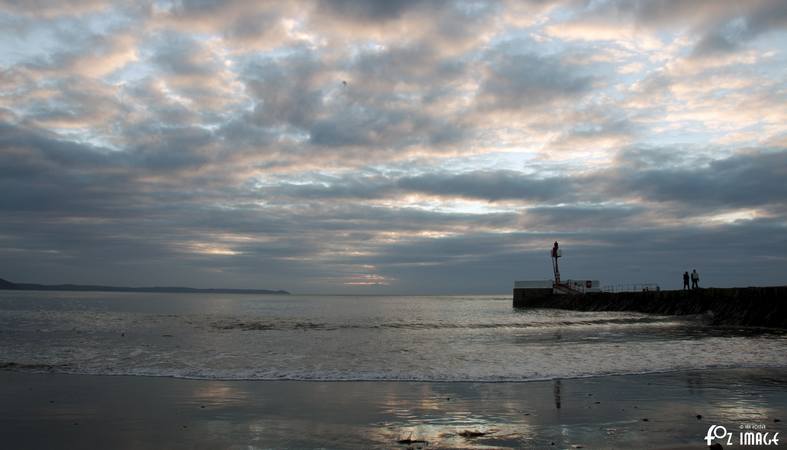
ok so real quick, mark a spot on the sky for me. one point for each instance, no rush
(393, 147)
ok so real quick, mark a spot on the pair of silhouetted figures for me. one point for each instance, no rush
(695, 279)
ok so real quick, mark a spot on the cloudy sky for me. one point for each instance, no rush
(393, 146)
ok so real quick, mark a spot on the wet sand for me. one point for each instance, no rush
(631, 411)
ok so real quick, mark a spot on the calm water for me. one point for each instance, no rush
(472, 338)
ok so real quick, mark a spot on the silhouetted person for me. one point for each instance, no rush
(685, 280)
(695, 279)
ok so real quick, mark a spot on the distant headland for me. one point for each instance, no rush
(8, 285)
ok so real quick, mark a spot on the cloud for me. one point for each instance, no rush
(491, 186)
(713, 44)
(367, 104)
(52, 8)
(192, 71)
(92, 55)
(402, 146)
(375, 11)
(718, 26)
(742, 180)
(450, 26)
(572, 218)
(487, 186)
(74, 102)
(287, 90)
(523, 81)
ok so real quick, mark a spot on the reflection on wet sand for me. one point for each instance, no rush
(220, 393)
(643, 411)
(444, 415)
(662, 410)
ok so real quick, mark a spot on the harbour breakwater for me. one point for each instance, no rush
(751, 306)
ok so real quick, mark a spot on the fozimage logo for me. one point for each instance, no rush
(747, 435)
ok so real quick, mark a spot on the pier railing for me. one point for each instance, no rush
(637, 287)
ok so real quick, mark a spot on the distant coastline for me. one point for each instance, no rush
(8, 285)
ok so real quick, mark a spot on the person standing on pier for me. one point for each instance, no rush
(685, 281)
(695, 279)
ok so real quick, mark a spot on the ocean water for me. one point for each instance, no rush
(429, 338)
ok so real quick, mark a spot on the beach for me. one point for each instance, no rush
(665, 410)
(183, 371)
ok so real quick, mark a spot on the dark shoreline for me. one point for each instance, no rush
(11, 286)
(618, 411)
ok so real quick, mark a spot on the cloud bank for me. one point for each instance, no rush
(392, 146)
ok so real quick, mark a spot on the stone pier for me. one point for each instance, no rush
(752, 306)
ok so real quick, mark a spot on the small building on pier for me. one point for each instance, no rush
(526, 291)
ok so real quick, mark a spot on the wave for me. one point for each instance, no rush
(356, 377)
(23, 367)
(275, 325)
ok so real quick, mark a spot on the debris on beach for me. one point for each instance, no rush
(410, 441)
(472, 434)
(33, 367)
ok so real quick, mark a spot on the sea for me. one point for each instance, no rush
(344, 338)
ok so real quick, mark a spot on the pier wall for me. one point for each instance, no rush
(529, 297)
(752, 306)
